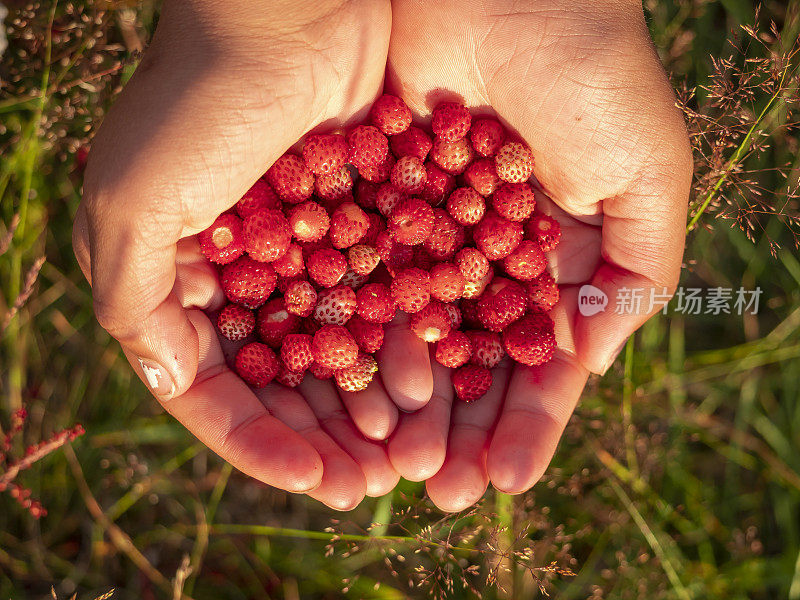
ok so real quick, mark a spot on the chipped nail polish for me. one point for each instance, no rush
(157, 379)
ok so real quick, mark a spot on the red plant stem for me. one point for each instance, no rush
(37, 452)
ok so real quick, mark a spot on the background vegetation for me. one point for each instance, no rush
(678, 477)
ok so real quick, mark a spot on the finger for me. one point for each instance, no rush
(343, 485)
(370, 456)
(419, 444)
(224, 414)
(196, 280)
(372, 410)
(462, 480)
(404, 365)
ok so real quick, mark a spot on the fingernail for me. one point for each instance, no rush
(157, 378)
(614, 356)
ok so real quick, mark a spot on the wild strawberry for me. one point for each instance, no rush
(409, 175)
(514, 201)
(473, 289)
(387, 197)
(309, 222)
(363, 259)
(378, 173)
(259, 197)
(411, 221)
(291, 179)
(395, 256)
(454, 350)
(530, 340)
(545, 230)
(358, 376)
(412, 142)
(527, 261)
(274, 322)
(334, 347)
(267, 235)
(503, 302)
(542, 292)
(471, 382)
(300, 298)
(375, 303)
(290, 264)
(296, 352)
(482, 176)
(223, 242)
(487, 348)
(335, 186)
(438, 184)
(432, 323)
(256, 364)
(452, 157)
(450, 121)
(514, 162)
(236, 322)
(289, 378)
(447, 282)
(390, 114)
(365, 194)
(348, 225)
(487, 136)
(454, 312)
(411, 289)
(368, 147)
(325, 153)
(353, 280)
(468, 307)
(248, 282)
(368, 336)
(326, 266)
(447, 236)
(335, 305)
(497, 237)
(466, 206)
(376, 225)
(472, 263)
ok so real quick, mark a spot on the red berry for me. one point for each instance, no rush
(353, 280)
(452, 157)
(326, 266)
(455, 315)
(390, 114)
(375, 303)
(503, 302)
(472, 263)
(466, 206)
(335, 186)
(378, 173)
(469, 312)
(320, 372)
(527, 261)
(325, 153)
(409, 175)
(289, 378)
(411, 221)
(256, 364)
(412, 142)
(514, 162)
(223, 242)
(274, 322)
(236, 322)
(432, 323)
(542, 292)
(530, 340)
(454, 350)
(296, 352)
(366, 193)
(368, 336)
(333, 347)
(447, 282)
(309, 222)
(447, 236)
(545, 230)
(358, 376)
(487, 136)
(291, 179)
(290, 264)
(376, 226)
(248, 282)
(363, 259)
(487, 348)
(497, 237)
(482, 176)
(300, 298)
(473, 289)
(438, 184)
(335, 305)
(267, 235)
(514, 201)
(368, 147)
(411, 289)
(348, 225)
(394, 255)
(471, 382)
(387, 197)
(258, 197)
(450, 121)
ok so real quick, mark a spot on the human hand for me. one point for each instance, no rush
(222, 92)
(581, 84)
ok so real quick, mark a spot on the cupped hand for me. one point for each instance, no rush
(223, 91)
(581, 84)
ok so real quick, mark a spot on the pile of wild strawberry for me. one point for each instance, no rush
(327, 246)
